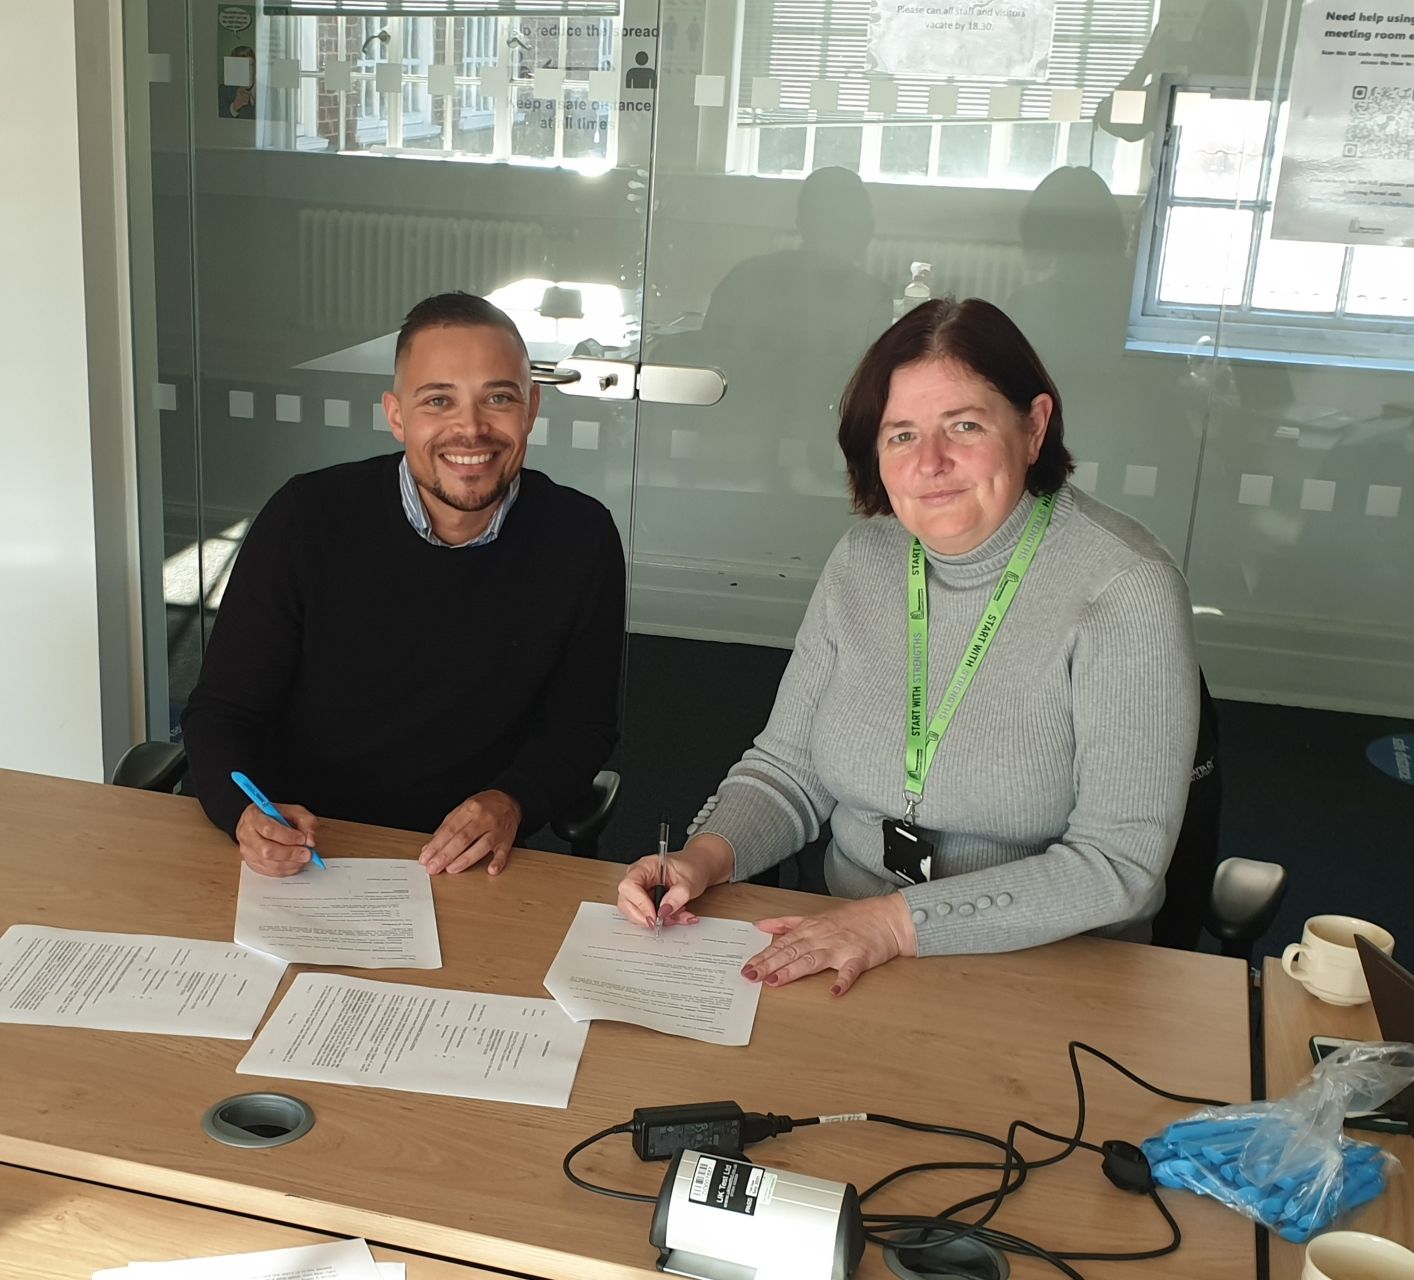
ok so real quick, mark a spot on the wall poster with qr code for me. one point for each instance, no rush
(1347, 167)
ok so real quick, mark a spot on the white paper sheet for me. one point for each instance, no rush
(1347, 165)
(364, 913)
(464, 1044)
(337, 1260)
(1009, 42)
(133, 982)
(686, 981)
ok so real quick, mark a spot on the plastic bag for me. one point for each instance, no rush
(1286, 1162)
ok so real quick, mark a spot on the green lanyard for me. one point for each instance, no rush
(922, 744)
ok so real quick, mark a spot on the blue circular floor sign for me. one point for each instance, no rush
(1394, 755)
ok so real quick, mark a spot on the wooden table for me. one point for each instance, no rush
(1290, 1017)
(54, 1228)
(971, 1041)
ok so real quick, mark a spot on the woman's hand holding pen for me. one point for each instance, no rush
(705, 861)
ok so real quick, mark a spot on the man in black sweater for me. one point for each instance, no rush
(428, 640)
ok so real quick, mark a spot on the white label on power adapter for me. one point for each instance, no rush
(842, 1119)
(728, 1184)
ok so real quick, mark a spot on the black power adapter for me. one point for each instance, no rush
(659, 1133)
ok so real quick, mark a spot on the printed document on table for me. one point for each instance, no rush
(464, 1044)
(337, 1260)
(134, 982)
(686, 981)
(363, 913)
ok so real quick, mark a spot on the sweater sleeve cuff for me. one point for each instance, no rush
(530, 795)
(760, 830)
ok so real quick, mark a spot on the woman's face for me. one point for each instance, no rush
(953, 453)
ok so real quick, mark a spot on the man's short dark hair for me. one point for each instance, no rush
(983, 339)
(454, 308)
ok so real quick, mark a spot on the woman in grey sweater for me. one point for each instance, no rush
(1049, 804)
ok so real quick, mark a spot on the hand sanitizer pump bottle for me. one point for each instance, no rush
(916, 290)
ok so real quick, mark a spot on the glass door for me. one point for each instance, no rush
(819, 166)
(304, 174)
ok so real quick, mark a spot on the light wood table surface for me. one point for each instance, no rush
(971, 1041)
(54, 1228)
(1290, 1017)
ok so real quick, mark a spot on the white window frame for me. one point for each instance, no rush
(748, 124)
(392, 111)
(1244, 331)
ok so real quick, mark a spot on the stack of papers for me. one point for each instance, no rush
(420, 1040)
(338, 1260)
(686, 981)
(133, 982)
(364, 913)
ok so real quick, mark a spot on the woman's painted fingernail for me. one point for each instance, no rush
(749, 973)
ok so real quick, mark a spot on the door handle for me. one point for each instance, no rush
(623, 380)
(552, 375)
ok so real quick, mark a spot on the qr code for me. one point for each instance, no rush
(1381, 125)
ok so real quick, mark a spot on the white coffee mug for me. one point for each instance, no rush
(1354, 1255)
(1326, 962)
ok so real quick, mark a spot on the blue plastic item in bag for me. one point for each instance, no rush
(1286, 1163)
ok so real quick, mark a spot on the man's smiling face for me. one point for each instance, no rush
(463, 406)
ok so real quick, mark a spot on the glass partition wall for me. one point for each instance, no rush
(752, 187)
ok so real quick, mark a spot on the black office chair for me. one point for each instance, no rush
(162, 766)
(1235, 900)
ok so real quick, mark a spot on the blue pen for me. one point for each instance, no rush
(265, 807)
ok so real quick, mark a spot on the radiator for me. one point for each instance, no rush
(362, 271)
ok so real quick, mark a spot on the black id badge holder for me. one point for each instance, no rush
(907, 855)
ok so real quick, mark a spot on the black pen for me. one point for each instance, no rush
(662, 886)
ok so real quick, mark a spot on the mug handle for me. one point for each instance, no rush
(1289, 961)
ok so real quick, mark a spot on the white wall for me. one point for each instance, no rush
(51, 458)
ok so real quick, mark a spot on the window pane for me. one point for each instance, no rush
(1205, 256)
(1296, 275)
(781, 150)
(1219, 147)
(1381, 283)
(838, 147)
(903, 150)
(533, 124)
(964, 150)
(586, 126)
(473, 121)
(1033, 153)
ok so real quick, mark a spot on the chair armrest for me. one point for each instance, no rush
(1245, 898)
(582, 822)
(151, 766)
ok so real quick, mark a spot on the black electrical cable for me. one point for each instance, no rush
(945, 1226)
(593, 1186)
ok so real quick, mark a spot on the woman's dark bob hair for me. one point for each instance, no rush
(975, 334)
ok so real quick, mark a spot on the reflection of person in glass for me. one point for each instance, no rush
(820, 294)
(1219, 43)
(238, 101)
(1056, 794)
(1075, 308)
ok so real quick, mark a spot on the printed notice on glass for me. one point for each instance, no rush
(983, 39)
(134, 982)
(463, 1044)
(1347, 167)
(686, 981)
(364, 913)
